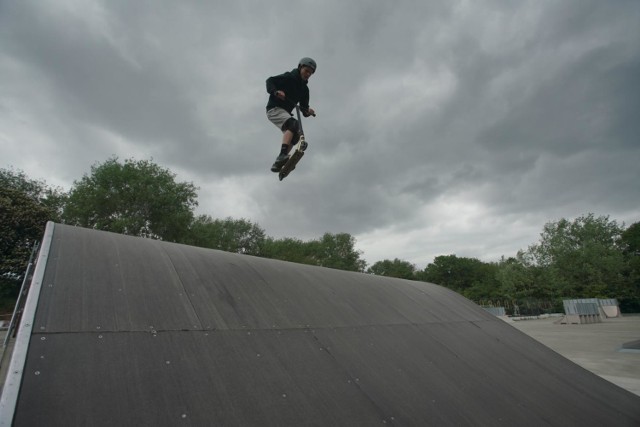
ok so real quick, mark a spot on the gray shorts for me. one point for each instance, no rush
(278, 116)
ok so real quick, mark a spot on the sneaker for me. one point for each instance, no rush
(279, 163)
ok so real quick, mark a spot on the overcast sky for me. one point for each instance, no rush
(443, 127)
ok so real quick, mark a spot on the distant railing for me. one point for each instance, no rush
(17, 311)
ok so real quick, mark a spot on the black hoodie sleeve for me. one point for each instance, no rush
(274, 83)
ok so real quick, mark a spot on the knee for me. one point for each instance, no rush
(290, 125)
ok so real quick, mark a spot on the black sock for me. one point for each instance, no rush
(284, 149)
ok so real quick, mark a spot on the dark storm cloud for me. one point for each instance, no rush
(94, 82)
(442, 126)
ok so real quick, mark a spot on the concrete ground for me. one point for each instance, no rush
(596, 347)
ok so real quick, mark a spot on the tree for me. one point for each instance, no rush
(395, 268)
(520, 279)
(468, 276)
(25, 207)
(581, 258)
(239, 235)
(332, 251)
(338, 251)
(629, 293)
(484, 285)
(135, 197)
(453, 272)
(52, 198)
(630, 240)
(289, 249)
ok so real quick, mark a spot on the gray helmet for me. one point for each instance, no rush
(308, 62)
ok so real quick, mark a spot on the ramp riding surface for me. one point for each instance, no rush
(132, 332)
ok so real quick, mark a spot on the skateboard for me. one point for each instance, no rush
(293, 159)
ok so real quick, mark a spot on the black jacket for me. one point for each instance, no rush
(295, 89)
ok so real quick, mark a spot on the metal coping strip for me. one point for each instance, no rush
(9, 399)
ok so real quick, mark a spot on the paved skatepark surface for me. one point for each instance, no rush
(598, 347)
(128, 331)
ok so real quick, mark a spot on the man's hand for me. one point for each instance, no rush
(280, 94)
(309, 112)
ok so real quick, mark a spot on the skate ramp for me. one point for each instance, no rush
(131, 332)
(611, 311)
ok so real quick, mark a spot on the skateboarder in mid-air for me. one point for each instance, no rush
(285, 91)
